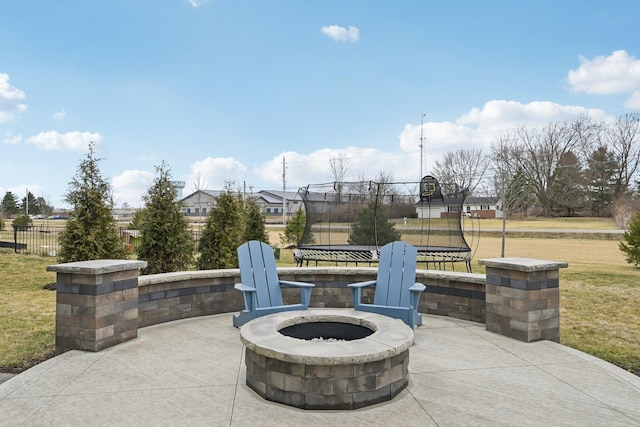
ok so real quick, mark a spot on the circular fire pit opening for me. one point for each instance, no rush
(327, 358)
(326, 331)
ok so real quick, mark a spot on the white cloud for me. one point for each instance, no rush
(9, 100)
(7, 91)
(341, 34)
(197, 3)
(314, 167)
(478, 128)
(130, 185)
(500, 113)
(634, 101)
(11, 139)
(59, 115)
(616, 73)
(73, 141)
(214, 172)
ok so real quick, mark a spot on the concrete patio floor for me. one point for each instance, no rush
(191, 372)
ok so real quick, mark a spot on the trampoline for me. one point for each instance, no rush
(348, 222)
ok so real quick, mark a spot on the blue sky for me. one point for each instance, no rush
(223, 89)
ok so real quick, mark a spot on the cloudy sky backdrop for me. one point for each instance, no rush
(224, 89)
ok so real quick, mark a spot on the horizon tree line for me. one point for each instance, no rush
(561, 168)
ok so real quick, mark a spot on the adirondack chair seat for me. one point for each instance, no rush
(397, 294)
(260, 285)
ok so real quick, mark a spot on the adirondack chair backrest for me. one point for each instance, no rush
(396, 274)
(258, 269)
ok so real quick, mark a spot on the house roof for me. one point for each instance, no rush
(210, 193)
(481, 200)
(274, 196)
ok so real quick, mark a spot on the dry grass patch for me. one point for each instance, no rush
(548, 223)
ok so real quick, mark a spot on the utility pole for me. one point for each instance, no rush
(421, 145)
(284, 194)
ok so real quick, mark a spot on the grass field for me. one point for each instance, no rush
(600, 296)
(27, 311)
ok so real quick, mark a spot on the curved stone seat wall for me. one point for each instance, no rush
(101, 303)
(172, 296)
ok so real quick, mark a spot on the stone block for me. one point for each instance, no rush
(295, 369)
(371, 367)
(317, 386)
(293, 383)
(340, 402)
(392, 375)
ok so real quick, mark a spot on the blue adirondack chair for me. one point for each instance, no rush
(397, 294)
(260, 284)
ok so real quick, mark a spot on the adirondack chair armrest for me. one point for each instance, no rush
(244, 288)
(297, 284)
(305, 290)
(362, 284)
(417, 287)
(356, 291)
(414, 297)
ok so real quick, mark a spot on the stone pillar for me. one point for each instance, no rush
(96, 303)
(523, 298)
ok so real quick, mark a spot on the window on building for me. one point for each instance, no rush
(197, 210)
(468, 209)
(268, 210)
(188, 210)
(204, 210)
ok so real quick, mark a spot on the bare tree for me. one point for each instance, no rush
(339, 165)
(462, 169)
(622, 137)
(622, 212)
(360, 188)
(541, 152)
(200, 185)
(510, 185)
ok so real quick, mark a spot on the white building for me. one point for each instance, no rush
(200, 203)
(475, 207)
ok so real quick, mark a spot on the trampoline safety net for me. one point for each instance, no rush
(348, 222)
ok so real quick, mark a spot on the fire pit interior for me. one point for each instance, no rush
(327, 358)
(326, 331)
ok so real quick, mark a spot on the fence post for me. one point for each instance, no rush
(15, 238)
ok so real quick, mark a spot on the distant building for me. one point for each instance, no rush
(200, 203)
(272, 204)
(473, 207)
(123, 214)
(482, 207)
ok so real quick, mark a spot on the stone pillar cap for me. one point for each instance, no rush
(523, 264)
(98, 266)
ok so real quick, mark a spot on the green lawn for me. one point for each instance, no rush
(27, 311)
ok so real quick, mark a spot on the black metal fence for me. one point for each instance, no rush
(43, 239)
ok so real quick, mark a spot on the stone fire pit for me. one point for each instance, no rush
(356, 359)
